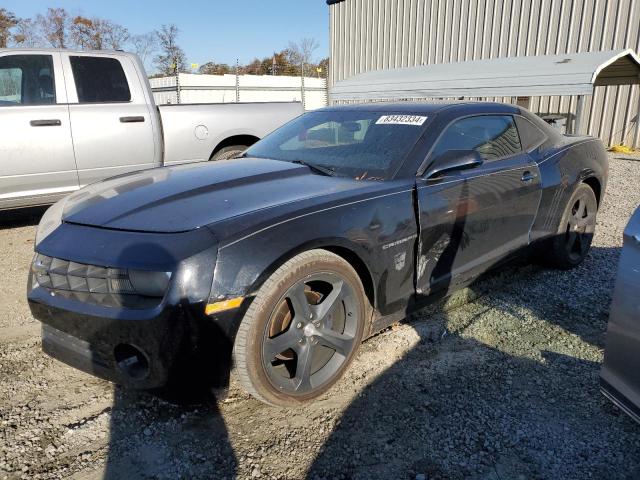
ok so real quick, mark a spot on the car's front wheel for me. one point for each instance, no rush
(302, 329)
(572, 242)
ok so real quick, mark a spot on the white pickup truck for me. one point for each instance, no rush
(71, 118)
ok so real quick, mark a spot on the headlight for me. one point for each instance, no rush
(64, 275)
(151, 284)
(51, 220)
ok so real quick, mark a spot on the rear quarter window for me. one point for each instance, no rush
(99, 80)
(530, 135)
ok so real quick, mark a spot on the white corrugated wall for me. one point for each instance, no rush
(376, 34)
(252, 88)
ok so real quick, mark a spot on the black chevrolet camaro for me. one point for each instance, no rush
(279, 263)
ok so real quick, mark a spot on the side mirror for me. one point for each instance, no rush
(454, 160)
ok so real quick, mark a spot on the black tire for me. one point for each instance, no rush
(288, 327)
(572, 241)
(227, 153)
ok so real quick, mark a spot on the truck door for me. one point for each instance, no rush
(36, 154)
(111, 122)
(471, 219)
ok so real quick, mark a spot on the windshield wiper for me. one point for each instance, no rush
(328, 171)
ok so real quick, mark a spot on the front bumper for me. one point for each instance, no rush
(139, 351)
(147, 344)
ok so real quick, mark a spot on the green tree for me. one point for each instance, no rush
(212, 68)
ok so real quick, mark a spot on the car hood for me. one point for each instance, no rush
(186, 197)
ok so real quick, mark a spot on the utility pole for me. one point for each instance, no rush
(237, 81)
(302, 81)
(177, 74)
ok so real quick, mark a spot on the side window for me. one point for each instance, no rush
(530, 135)
(27, 80)
(492, 136)
(99, 80)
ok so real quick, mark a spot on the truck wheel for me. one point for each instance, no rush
(302, 329)
(227, 153)
(572, 242)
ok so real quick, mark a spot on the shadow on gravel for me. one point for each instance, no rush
(23, 217)
(457, 408)
(150, 438)
(177, 431)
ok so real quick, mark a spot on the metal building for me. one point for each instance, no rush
(381, 34)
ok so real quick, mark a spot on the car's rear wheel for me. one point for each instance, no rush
(302, 329)
(572, 242)
(227, 153)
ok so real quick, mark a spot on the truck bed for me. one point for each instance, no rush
(194, 132)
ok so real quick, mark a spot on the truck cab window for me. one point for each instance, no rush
(99, 80)
(27, 80)
(492, 136)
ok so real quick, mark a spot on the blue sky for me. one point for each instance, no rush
(209, 30)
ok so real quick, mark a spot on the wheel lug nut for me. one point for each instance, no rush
(299, 325)
(311, 315)
(301, 340)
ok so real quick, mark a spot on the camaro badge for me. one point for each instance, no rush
(398, 242)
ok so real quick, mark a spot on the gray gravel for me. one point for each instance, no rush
(504, 386)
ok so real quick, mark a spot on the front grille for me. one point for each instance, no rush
(88, 283)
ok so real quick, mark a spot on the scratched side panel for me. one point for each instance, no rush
(380, 230)
(471, 220)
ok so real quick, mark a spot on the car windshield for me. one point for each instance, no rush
(366, 145)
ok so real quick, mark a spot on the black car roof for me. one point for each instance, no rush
(426, 108)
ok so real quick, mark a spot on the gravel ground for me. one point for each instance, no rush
(504, 386)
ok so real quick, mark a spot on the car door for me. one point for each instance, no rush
(472, 218)
(620, 374)
(36, 154)
(110, 118)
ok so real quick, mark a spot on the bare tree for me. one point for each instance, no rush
(55, 26)
(171, 58)
(98, 33)
(84, 34)
(144, 45)
(26, 34)
(301, 53)
(7, 21)
(115, 36)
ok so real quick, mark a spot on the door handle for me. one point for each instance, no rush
(131, 119)
(45, 123)
(528, 176)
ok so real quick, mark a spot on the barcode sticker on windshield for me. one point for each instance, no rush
(401, 120)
